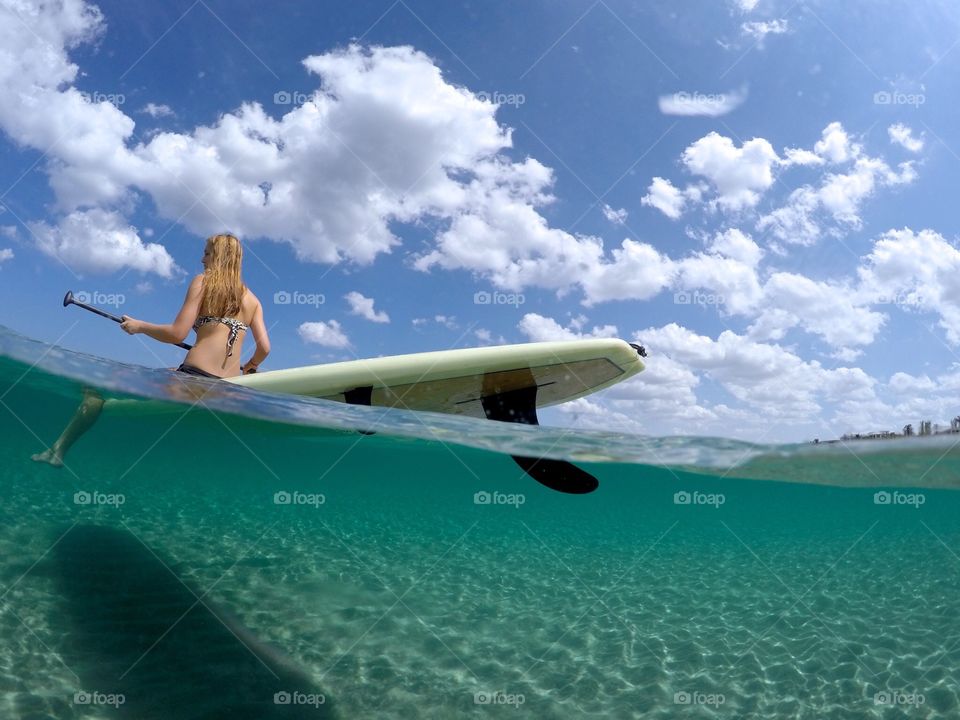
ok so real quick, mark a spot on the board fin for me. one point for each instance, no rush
(359, 396)
(520, 406)
(517, 406)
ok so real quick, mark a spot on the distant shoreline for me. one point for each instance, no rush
(927, 429)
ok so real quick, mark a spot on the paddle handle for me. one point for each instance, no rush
(68, 299)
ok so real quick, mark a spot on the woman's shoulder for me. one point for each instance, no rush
(250, 302)
(249, 296)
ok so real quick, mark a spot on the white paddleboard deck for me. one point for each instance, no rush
(455, 381)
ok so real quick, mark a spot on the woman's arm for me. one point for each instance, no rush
(178, 330)
(261, 338)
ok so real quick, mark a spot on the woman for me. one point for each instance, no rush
(219, 307)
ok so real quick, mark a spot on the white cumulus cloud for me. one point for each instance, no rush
(363, 306)
(97, 241)
(694, 104)
(759, 29)
(666, 198)
(326, 333)
(917, 271)
(764, 377)
(903, 135)
(155, 110)
(385, 139)
(840, 193)
(539, 328)
(616, 216)
(835, 145)
(739, 175)
(799, 156)
(833, 311)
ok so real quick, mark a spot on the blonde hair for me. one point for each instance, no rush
(223, 287)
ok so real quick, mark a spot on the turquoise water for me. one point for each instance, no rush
(201, 553)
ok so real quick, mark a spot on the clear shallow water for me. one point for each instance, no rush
(386, 588)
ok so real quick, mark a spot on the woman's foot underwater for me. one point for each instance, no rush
(83, 419)
(51, 456)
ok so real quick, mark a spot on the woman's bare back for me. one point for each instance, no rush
(209, 353)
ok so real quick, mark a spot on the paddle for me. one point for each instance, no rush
(68, 299)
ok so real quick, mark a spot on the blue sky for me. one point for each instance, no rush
(805, 154)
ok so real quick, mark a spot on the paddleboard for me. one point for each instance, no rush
(459, 381)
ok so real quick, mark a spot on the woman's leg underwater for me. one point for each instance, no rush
(83, 419)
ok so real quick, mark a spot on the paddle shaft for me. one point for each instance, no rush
(68, 299)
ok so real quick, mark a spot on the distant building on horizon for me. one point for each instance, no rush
(927, 427)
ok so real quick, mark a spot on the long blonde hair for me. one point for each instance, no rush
(223, 287)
